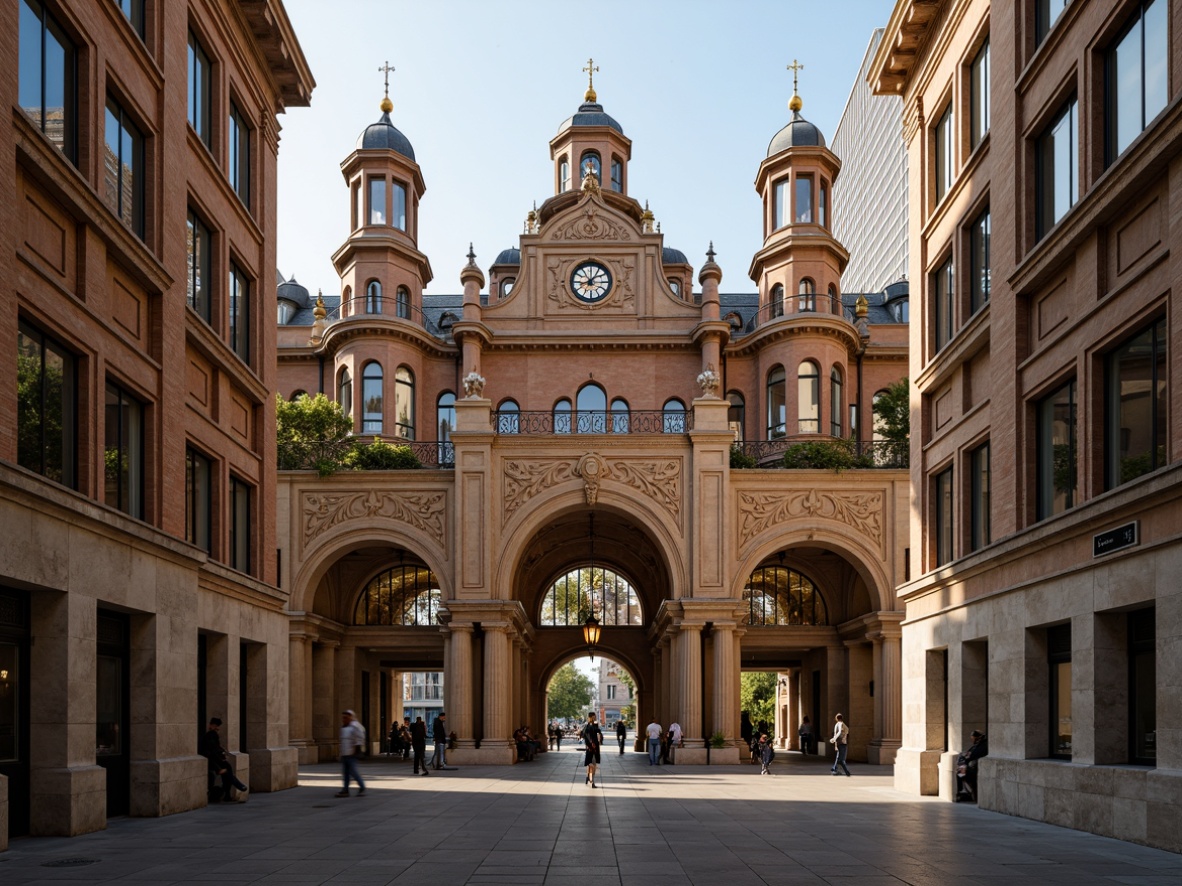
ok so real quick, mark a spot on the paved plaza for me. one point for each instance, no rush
(537, 823)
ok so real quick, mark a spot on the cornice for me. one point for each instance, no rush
(797, 325)
(369, 326)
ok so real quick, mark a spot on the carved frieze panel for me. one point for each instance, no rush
(425, 511)
(760, 511)
(659, 480)
(590, 224)
(558, 274)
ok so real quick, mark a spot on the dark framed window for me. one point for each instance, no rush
(777, 595)
(407, 594)
(943, 293)
(1059, 686)
(402, 303)
(780, 204)
(806, 299)
(777, 421)
(377, 201)
(944, 525)
(808, 398)
(345, 391)
(239, 308)
(563, 412)
(238, 159)
(404, 403)
(199, 90)
(942, 145)
(1056, 452)
(621, 416)
(803, 211)
(123, 452)
(134, 10)
(240, 525)
(48, 77)
(1136, 407)
(673, 421)
(200, 279)
(563, 175)
(587, 590)
(835, 402)
(399, 212)
(1046, 13)
(47, 407)
(591, 402)
(509, 418)
(1142, 630)
(823, 204)
(123, 168)
(979, 96)
(979, 262)
(371, 398)
(445, 416)
(198, 499)
(980, 532)
(776, 302)
(1136, 71)
(373, 297)
(1057, 169)
(617, 176)
(736, 415)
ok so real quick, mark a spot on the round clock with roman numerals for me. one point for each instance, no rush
(590, 282)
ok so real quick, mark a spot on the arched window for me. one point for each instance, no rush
(807, 299)
(808, 398)
(402, 303)
(371, 398)
(674, 420)
(834, 300)
(404, 403)
(507, 286)
(588, 590)
(776, 301)
(509, 418)
(592, 405)
(445, 417)
(776, 595)
(835, 401)
(736, 414)
(562, 416)
(620, 416)
(406, 595)
(617, 175)
(563, 175)
(590, 164)
(777, 398)
(345, 391)
(399, 206)
(296, 394)
(675, 285)
(373, 297)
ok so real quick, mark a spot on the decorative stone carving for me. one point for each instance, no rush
(758, 511)
(591, 468)
(525, 479)
(473, 386)
(658, 480)
(425, 511)
(590, 226)
(708, 381)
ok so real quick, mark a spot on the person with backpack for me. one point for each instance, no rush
(766, 754)
(352, 747)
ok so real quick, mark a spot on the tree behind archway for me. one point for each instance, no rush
(569, 693)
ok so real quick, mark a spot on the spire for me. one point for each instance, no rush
(795, 103)
(387, 105)
(590, 70)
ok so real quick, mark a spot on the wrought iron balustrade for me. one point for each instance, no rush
(310, 456)
(592, 422)
(876, 454)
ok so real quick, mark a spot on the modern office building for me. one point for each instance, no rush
(870, 196)
(138, 578)
(1045, 607)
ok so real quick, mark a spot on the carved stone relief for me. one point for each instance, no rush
(589, 225)
(658, 480)
(759, 512)
(425, 511)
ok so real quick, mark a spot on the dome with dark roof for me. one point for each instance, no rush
(295, 293)
(590, 114)
(797, 134)
(671, 256)
(384, 136)
(510, 256)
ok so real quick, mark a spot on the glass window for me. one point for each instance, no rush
(399, 207)
(592, 405)
(942, 295)
(674, 417)
(198, 499)
(979, 97)
(345, 392)
(979, 534)
(47, 77)
(776, 403)
(509, 418)
(123, 452)
(1046, 13)
(804, 200)
(123, 168)
(590, 165)
(620, 416)
(942, 141)
(1057, 174)
(562, 416)
(238, 165)
(239, 306)
(402, 303)
(776, 302)
(1056, 470)
(199, 279)
(377, 201)
(47, 406)
(239, 525)
(1142, 630)
(834, 301)
(373, 297)
(617, 176)
(407, 594)
(371, 398)
(780, 207)
(835, 402)
(1136, 407)
(563, 175)
(445, 414)
(823, 205)
(134, 10)
(199, 92)
(1059, 665)
(807, 298)
(587, 589)
(404, 403)
(901, 310)
(944, 536)
(736, 415)
(808, 394)
(776, 595)
(1137, 84)
(979, 268)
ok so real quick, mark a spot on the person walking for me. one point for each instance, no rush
(621, 734)
(653, 731)
(806, 735)
(220, 765)
(766, 754)
(418, 742)
(592, 742)
(439, 736)
(352, 741)
(840, 742)
(674, 740)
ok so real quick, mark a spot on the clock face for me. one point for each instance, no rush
(591, 282)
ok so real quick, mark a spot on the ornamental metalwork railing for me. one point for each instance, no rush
(593, 422)
(821, 452)
(800, 306)
(339, 455)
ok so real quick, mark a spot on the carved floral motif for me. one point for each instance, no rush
(525, 479)
(659, 480)
(590, 226)
(759, 512)
(424, 511)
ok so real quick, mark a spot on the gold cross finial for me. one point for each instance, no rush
(795, 104)
(794, 67)
(386, 69)
(590, 71)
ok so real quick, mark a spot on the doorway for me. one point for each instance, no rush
(112, 747)
(14, 707)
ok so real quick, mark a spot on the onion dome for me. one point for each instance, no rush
(384, 136)
(510, 256)
(295, 293)
(590, 114)
(798, 133)
(671, 256)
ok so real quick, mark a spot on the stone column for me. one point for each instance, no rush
(458, 684)
(690, 697)
(725, 697)
(888, 705)
(325, 715)
(300, 696)
(496, 744)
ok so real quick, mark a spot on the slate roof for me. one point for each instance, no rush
(798, 133)
(590, 114)
(383, 135)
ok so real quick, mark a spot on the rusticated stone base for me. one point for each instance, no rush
(165, 787)
(272, 769)
(67, 802)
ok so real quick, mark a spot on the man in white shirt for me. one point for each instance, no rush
(674, 738)
(653, 731)
(352, 740)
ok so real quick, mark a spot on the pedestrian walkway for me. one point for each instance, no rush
(537, 823)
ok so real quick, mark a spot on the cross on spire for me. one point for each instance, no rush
(590, 70)
(386, 69)
(794, 68)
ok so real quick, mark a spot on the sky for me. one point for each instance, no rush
(481, 86)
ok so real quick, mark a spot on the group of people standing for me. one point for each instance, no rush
(661, 743)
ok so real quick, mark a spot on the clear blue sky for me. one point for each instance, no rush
(481, 87)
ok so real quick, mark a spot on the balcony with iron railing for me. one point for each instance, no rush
(801, 307)
(382, 307)
(340, 455)
(508, 422)
(818, 452)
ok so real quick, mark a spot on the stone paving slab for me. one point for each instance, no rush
(537, 824)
